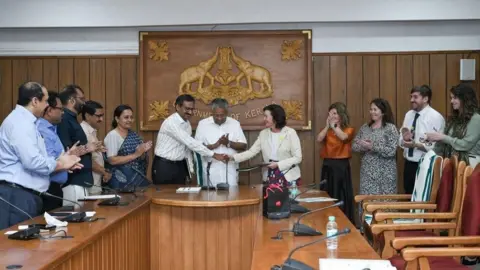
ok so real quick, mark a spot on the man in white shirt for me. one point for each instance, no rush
(92, 115)
(418, 121)
(174, 146)
(223, 135)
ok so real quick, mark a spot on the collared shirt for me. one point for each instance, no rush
(23, 157)
(70, 132)
(174, 140)
(96, 156)
(429, 121)
(54, 147)
(209, 132)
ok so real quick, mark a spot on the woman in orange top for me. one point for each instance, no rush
(336, 152)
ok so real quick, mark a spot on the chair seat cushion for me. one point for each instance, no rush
(436, 263)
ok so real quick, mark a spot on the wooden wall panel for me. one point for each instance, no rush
(351, 78)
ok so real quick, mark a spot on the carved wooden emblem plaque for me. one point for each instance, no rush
(247, 68)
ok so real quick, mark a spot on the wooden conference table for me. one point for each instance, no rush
(166, 230)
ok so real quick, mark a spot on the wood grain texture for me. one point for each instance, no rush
(119, 241)
(235, 196)
(114, 79)
(268, 252)
(202, 237)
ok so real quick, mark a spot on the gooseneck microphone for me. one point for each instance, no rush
(302, 229)
(226, 185)
(209, 185)
(111, 201)
(292, 264)
(297, 208)
(60, 198)
(75, 217)
(26, 234)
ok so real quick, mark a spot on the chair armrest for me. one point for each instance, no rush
(380, 228)
(372, 207)
(367, 197)
(381, 216)
(410, 254)
(402, 242)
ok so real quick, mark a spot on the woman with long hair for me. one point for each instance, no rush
(462, 131)
(126, 151)
(336, 138)
(280, 148)
(377, 142)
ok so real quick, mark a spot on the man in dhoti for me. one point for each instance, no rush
(223, 135)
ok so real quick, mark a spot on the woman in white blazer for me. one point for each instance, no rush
(280, 147)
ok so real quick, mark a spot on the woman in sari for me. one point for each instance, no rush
(126, 151)
(462, 132)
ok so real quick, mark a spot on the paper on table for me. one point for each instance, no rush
(189, 190)
(316, 199)
(53, 221)
(352, 264)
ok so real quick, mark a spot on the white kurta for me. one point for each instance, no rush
(208, 132)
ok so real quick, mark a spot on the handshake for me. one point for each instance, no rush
(222, 157)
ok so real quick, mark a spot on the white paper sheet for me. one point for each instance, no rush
(316, 199)
(352, 264)
(189, 190)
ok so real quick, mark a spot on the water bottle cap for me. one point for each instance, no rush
(331, 218)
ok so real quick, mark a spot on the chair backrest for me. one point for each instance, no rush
(470, 220)
(447, 187)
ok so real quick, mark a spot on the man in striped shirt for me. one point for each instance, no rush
(175, 145)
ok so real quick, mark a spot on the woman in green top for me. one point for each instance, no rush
(462, 131)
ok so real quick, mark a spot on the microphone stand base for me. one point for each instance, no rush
(292, 264)
(223, 186)
(297, 208)
(27, 234)
(304, 230)
(208, 188)
(293, 201)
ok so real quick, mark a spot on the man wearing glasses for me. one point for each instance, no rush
(92, 115)
(47, 127)
(173, 161)
(71, 133)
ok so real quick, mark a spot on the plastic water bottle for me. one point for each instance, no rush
(293, 189)
(332, 243)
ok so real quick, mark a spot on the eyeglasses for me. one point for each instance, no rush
(99, 115)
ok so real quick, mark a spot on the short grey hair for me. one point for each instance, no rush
(220, 103)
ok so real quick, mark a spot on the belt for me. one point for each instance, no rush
(14, 185)
(170, 161)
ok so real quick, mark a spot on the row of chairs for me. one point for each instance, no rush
(441, 230)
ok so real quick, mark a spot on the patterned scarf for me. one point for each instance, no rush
(129, 146)
(456, 128)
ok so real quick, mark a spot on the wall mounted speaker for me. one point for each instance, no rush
(467, 69)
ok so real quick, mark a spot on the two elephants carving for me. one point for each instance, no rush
(247, 71)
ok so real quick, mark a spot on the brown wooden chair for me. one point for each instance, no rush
(384, 229)
(418, 253)
(397, 202)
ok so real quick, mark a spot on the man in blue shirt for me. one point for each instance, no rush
(47, 126)
(25, 167)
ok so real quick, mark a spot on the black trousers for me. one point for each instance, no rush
(50, 203)
(23, 199)
(409, 174)
(166, 172)
(339, 183)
